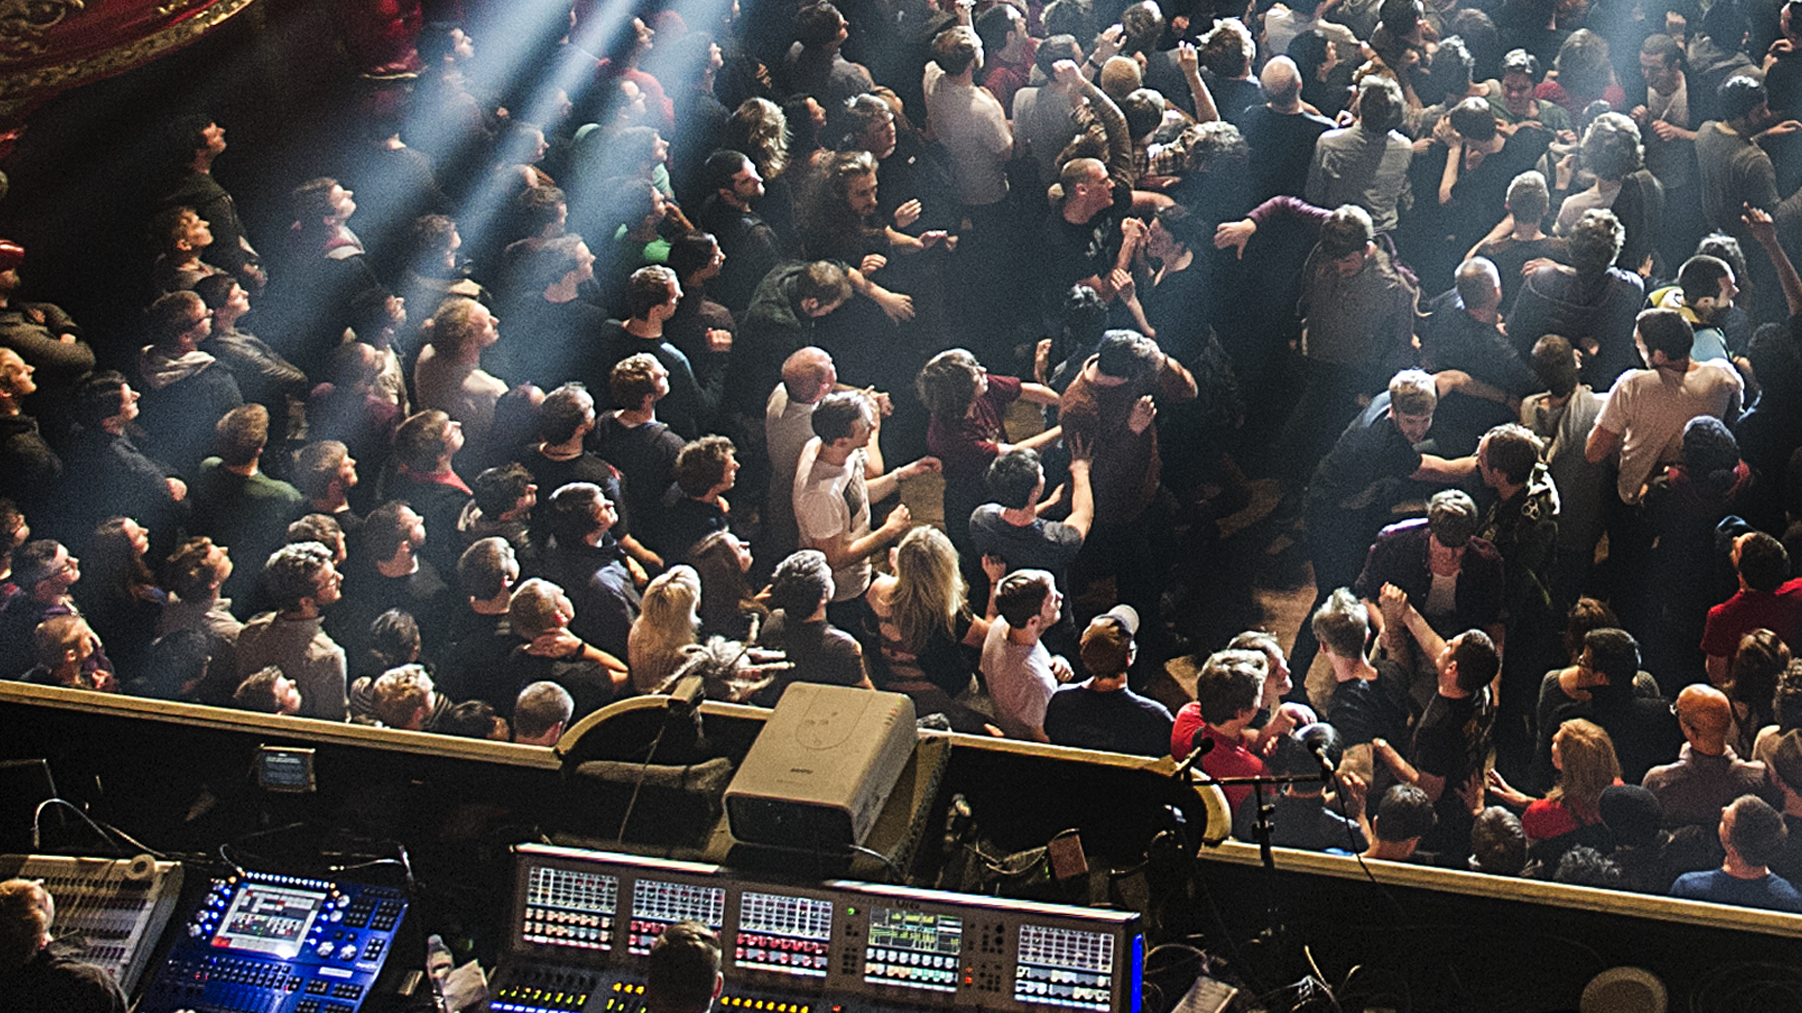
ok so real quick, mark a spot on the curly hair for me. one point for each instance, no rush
(1611, 147)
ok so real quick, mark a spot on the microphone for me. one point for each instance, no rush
(1199, 746)
(1328, 775)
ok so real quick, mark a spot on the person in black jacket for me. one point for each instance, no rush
(29, 469)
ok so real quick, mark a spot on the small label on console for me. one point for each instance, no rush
(335, 972)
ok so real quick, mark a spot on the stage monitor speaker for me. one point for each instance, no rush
(821, 769)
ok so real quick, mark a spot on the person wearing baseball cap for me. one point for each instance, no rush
(1101, 713)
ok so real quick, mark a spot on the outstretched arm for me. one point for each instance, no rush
(1764, 231)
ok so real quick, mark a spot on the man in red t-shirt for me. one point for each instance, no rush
(1764, 602)
(1228, 691)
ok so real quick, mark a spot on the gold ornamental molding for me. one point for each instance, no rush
(24, 22)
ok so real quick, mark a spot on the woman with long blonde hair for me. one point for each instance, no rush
(1571, 813)
(925, 636)
(665, 628)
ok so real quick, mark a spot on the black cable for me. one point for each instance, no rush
(643, 769)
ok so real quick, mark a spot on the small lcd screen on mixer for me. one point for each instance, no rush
(656, 905)
(269, 919)
(913, 949)
(1065, 967)
(787, 935)
(569, 909)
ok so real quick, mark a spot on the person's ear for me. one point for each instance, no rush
(810, 305)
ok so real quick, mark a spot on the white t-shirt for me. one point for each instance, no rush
(1650, 407)
(787, 426)
(1020, 681)
(830, 502)
(972, 126)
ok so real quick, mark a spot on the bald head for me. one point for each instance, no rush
(1282, 84)
(1706, 716)
(808, 375)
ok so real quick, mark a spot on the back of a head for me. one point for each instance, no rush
(1013, 476)
(682, 974)
(1479, 284)
(541, 706)
(1404, 813)
(1585, 866)
(1021, 595)
(1725, 24)
(1474, 120)
(1710, 453)
(1666, 331)
(1380, 103)
(1595, 241)
(25, 908)
(1739, 96)
(1281, 81)
(1700, 277)
(1758, 832)
(1555, 363)
(799, 584)
(1611, 147)
(1126, 354)
(1763, 562)
(1498, 844)
(1613, 654)
(1528, 196)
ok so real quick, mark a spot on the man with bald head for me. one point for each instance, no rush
(1463, 332)
(1281, 133)
(1707, 776)
(808, 375)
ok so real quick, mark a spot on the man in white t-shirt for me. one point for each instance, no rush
(1648, 408)
(808, 375)
(969, 121)
(1021, 673)
(833, 490)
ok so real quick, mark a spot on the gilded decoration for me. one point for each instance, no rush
(24, 22)
(25, 89)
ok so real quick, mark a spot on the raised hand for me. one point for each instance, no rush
(1144, 410)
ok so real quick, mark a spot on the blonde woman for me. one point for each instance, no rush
(926, 639)
(1584, 757)
(665, 628)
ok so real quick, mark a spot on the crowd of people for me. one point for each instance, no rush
(584, 375)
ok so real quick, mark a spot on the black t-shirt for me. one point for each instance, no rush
(1282, 148)
(685, 522)
(474, 667)
(819, 651)
(1118, 721)
(551, 475)
(1376, 709)
(645, 456)
(590, 685)
(51, 982)
(1303, 822)
(1451, 741)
